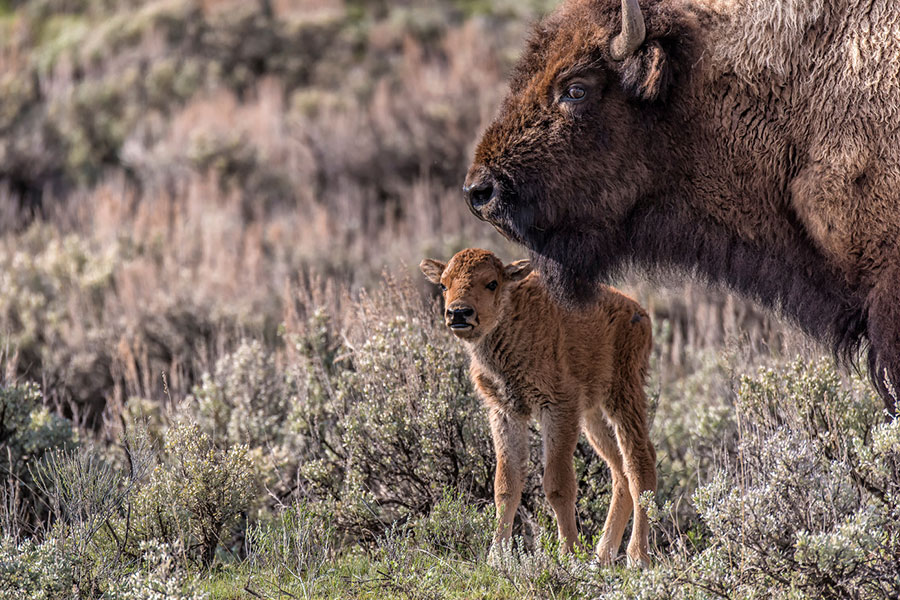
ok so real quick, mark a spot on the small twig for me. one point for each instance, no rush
(166, 388)
(252, 593)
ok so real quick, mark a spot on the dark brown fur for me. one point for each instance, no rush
(574, 370)
(748, 146)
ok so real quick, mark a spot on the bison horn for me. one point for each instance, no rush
(633, 31)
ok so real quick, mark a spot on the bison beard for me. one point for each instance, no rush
(792, 282)
(574, 263)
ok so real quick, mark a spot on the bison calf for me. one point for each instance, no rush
(573, 370)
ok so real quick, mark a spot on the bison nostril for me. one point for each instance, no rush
(480, 194)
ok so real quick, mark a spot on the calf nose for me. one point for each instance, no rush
(459, 314)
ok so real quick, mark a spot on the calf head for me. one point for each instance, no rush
(572, 149)
(474, 284)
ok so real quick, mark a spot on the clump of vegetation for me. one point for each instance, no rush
(32, 570)
(48, 571)
(800, 502)
(809, 505)
(299, 543)
(28, 433)
(194, 494)
(396, 419)
(157, 575)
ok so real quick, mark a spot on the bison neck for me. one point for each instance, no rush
(785, 275)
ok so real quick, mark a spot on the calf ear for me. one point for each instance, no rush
(517, 270)
(433, 269)
(646, 74)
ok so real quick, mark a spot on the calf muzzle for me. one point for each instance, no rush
(458, 318)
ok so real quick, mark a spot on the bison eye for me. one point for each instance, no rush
(492, 286)
(443, 288)
(574, 93)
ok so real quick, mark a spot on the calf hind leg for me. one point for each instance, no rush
(602, 437)
(628, 412)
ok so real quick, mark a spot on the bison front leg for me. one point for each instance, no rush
(560, 429)
(510, 436)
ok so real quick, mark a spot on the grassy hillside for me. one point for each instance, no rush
(221, 376)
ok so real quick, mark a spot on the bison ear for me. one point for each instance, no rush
(517, 270)
(433, 269)
(646, 73)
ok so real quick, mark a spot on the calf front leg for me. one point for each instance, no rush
(510, 435)
(560, 429)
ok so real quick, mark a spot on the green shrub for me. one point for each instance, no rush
(248, 400)
(805, 507)
(457, 528)
(811, 505)
(33, 571)
(49, 571)
(195, 494)
(394, 421)
(542, 571)
(158, 575)
(298, 544)
(28, 432)
(412, 557)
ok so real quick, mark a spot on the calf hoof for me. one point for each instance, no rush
(606, 555)
(499, 549)
(638, 559)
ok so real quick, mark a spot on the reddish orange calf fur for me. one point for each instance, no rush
(573, 370)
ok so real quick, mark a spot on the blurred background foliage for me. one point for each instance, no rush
(218, 360)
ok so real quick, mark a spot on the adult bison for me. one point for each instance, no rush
(752, 143)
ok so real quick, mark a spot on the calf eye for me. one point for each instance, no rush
(492, 286)
(575, 93)
(443, 288)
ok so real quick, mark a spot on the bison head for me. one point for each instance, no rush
(572, 150)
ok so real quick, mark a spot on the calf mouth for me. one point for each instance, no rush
(461, 326)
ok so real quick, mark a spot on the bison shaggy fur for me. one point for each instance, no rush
(751, 143)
